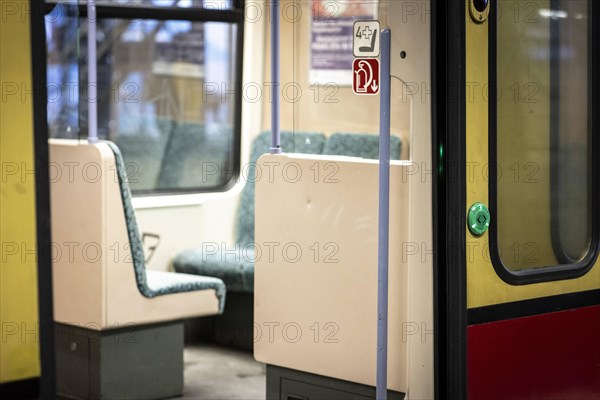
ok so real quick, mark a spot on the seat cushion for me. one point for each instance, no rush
(360, 145)
(163, 282)
(235, 267)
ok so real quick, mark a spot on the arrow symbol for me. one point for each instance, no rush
(374, 86)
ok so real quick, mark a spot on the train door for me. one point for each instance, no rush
(532, 206)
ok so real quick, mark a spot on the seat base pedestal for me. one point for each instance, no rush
(285, 383)
(234, 328)
(131, 362)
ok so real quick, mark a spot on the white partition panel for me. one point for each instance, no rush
(316, 266)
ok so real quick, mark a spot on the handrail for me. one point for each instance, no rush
(92, 92)
(275, 132)
(384, 217)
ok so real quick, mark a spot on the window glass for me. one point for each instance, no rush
(316, 80)
(166, 98)
(62, 37)
(543, 135)
(206, 4)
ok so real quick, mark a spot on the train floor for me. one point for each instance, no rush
(215, 372)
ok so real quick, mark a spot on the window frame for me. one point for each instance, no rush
(233, 16)
(561, 271)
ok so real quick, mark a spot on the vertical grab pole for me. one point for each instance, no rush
(92, 75)
(275, 133)
(384, 216)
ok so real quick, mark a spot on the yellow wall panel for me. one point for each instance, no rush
(19, 347)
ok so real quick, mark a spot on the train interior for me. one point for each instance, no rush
(189, 257)
(200, 196)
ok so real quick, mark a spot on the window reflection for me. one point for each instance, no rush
(543, 133)
(166, 97)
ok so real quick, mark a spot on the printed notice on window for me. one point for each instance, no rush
(331, 38)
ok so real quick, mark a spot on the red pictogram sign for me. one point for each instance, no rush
(365, 76)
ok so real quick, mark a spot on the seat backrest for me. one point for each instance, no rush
(291, 142)
(135, 243)
(136, 246)
(89, 209)
(360, 145)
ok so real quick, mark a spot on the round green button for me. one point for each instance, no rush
(478, 219)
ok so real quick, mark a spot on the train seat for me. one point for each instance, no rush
(360, 145)
(102, 290)
(100, 277)
(235, 265)
(156, 283)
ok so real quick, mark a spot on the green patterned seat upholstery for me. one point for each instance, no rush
(235, 266)
(157, 283)
(360, 145)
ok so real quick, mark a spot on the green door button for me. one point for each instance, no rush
(478, 219)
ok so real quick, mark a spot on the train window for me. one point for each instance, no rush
(167, 89)
(541, 136)
(204, 4)
(317, 77)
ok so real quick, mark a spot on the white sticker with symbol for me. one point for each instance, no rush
(366, 38)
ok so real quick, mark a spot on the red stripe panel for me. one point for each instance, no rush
(549, 356)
